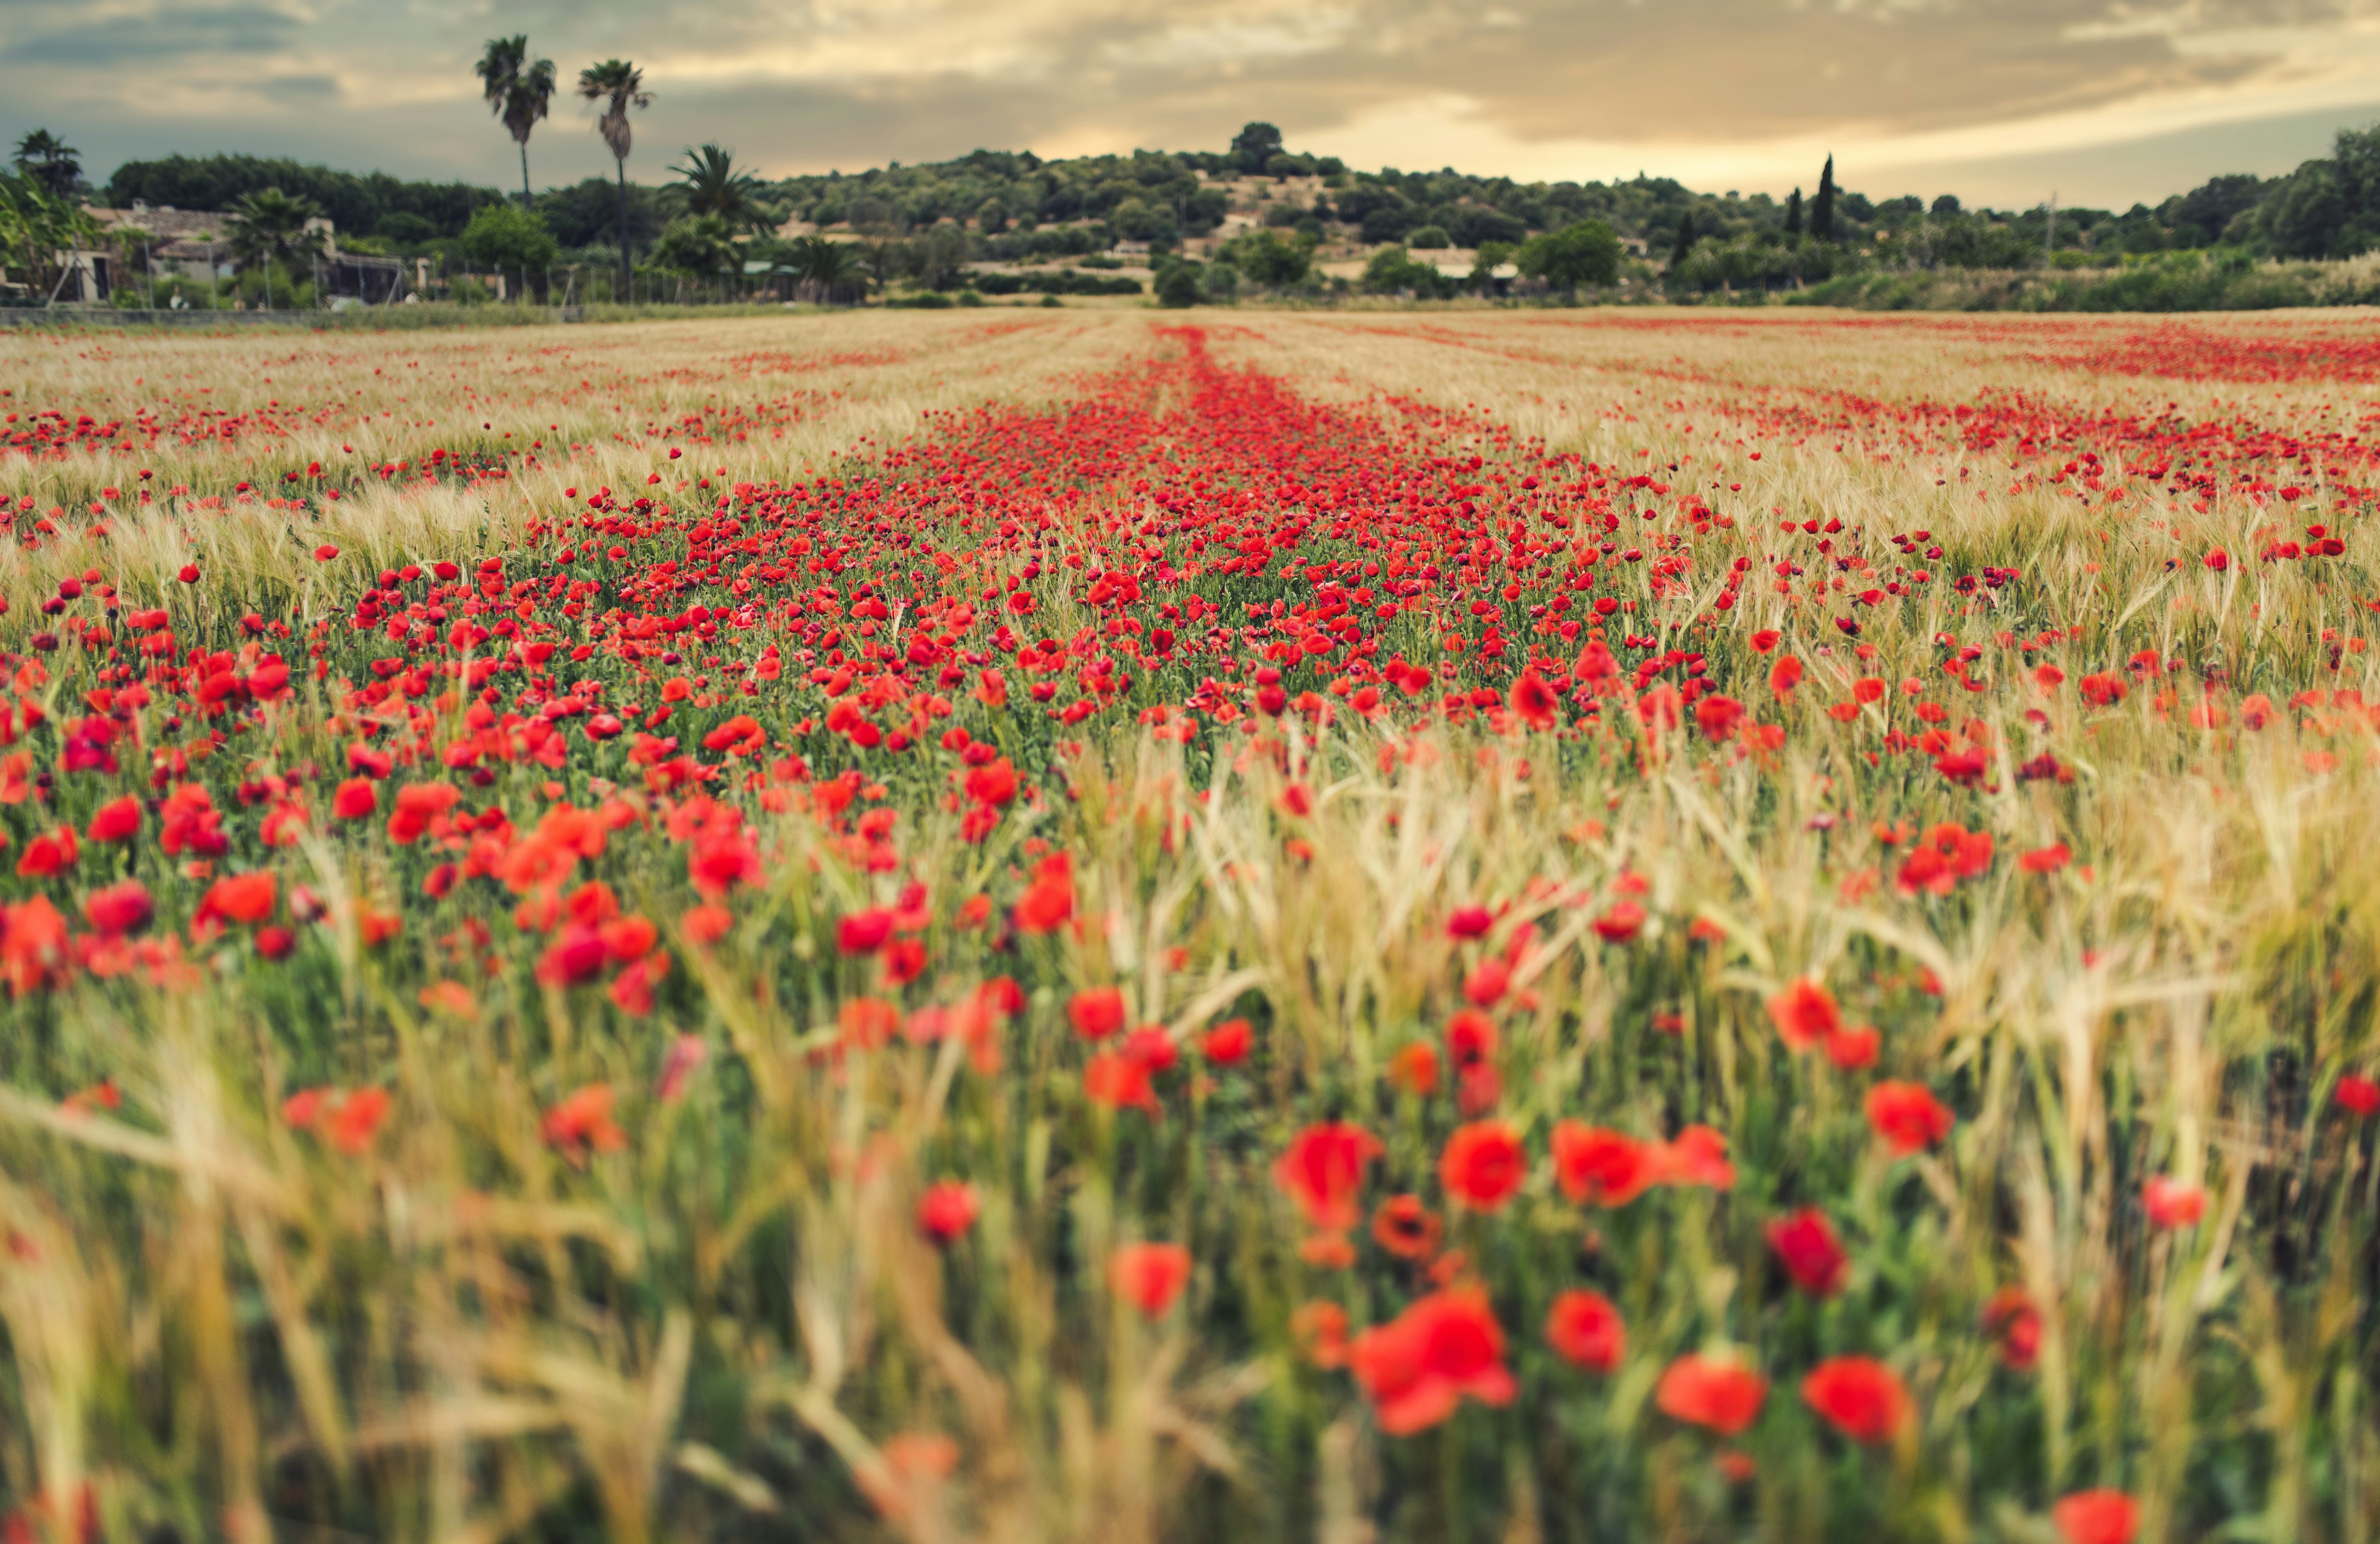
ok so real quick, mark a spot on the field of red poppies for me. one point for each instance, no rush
(1550, 926)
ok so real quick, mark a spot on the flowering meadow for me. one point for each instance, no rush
(1552, 926)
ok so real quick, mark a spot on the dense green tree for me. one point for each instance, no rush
(1822, 208)
(510, 239)
(2309, 212)
(1268, 259)
(1584, 253)
(703, 244)
(2206, 211)
(352, 201)
(1255, 145)
(585, 213)
(1793, 213)
(618, 86)
(1178, 286)
(1685, 242)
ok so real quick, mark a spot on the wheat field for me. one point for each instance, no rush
(1468, 925)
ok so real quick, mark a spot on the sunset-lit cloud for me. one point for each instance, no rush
(2117, 98)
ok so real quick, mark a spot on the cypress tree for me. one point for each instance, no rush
(1793, 213)
(1822, 208)
(1685, 240)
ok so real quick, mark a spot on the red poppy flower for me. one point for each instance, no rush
(1907, 1116)
(1534, 702)
(1097, 1011)
(1418, 1368)
(352, 1126)
(1483, 1165)
(1150, 1276)
(1806, 1246)
(947, 1210)
(993, 784)
(1717, 717)
(1603, 1168)
(1228, 1043)
(114, 821)
(863, 932)
(706, 925)
(1859, 1396)
(582, 1122)
(1712, 1393)
(1488, 981)
(2172, 1204)
(1414, 1067)
(1050, 900)
(2357, 1095)
(242, 898)
(1323, 1170)
(1587, 1331)
(1469, 922)
(2010, 1319)
(1469, 1040)
(1320, 1332)
(119, 908)
(1117, 1081)
(1405, 1228)
(1805, 1014)
(356, 799)
(2097, 1517)
(1621, 923)
(1697, 1156)
(1854, 1047)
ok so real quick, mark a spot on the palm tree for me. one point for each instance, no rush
(714, 185)
(50, 161)
(269, 228)
(620, 86)
(831, 266)
(516, 91)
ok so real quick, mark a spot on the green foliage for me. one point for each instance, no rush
(352, 201)
(1393, 271)
(1586, 253)
(1429, 238)
(35, 227)
(49, 160)
(1178, 286)
(587, 211)
(1255, 145)
(698, 244)
(502, 235)
(1265, 259)
(2221, 279)
(405, 229)
(716, 186)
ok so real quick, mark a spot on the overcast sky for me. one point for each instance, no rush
(2003, 101)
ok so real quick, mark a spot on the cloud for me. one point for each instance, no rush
(98, 38)
(1746, 94)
